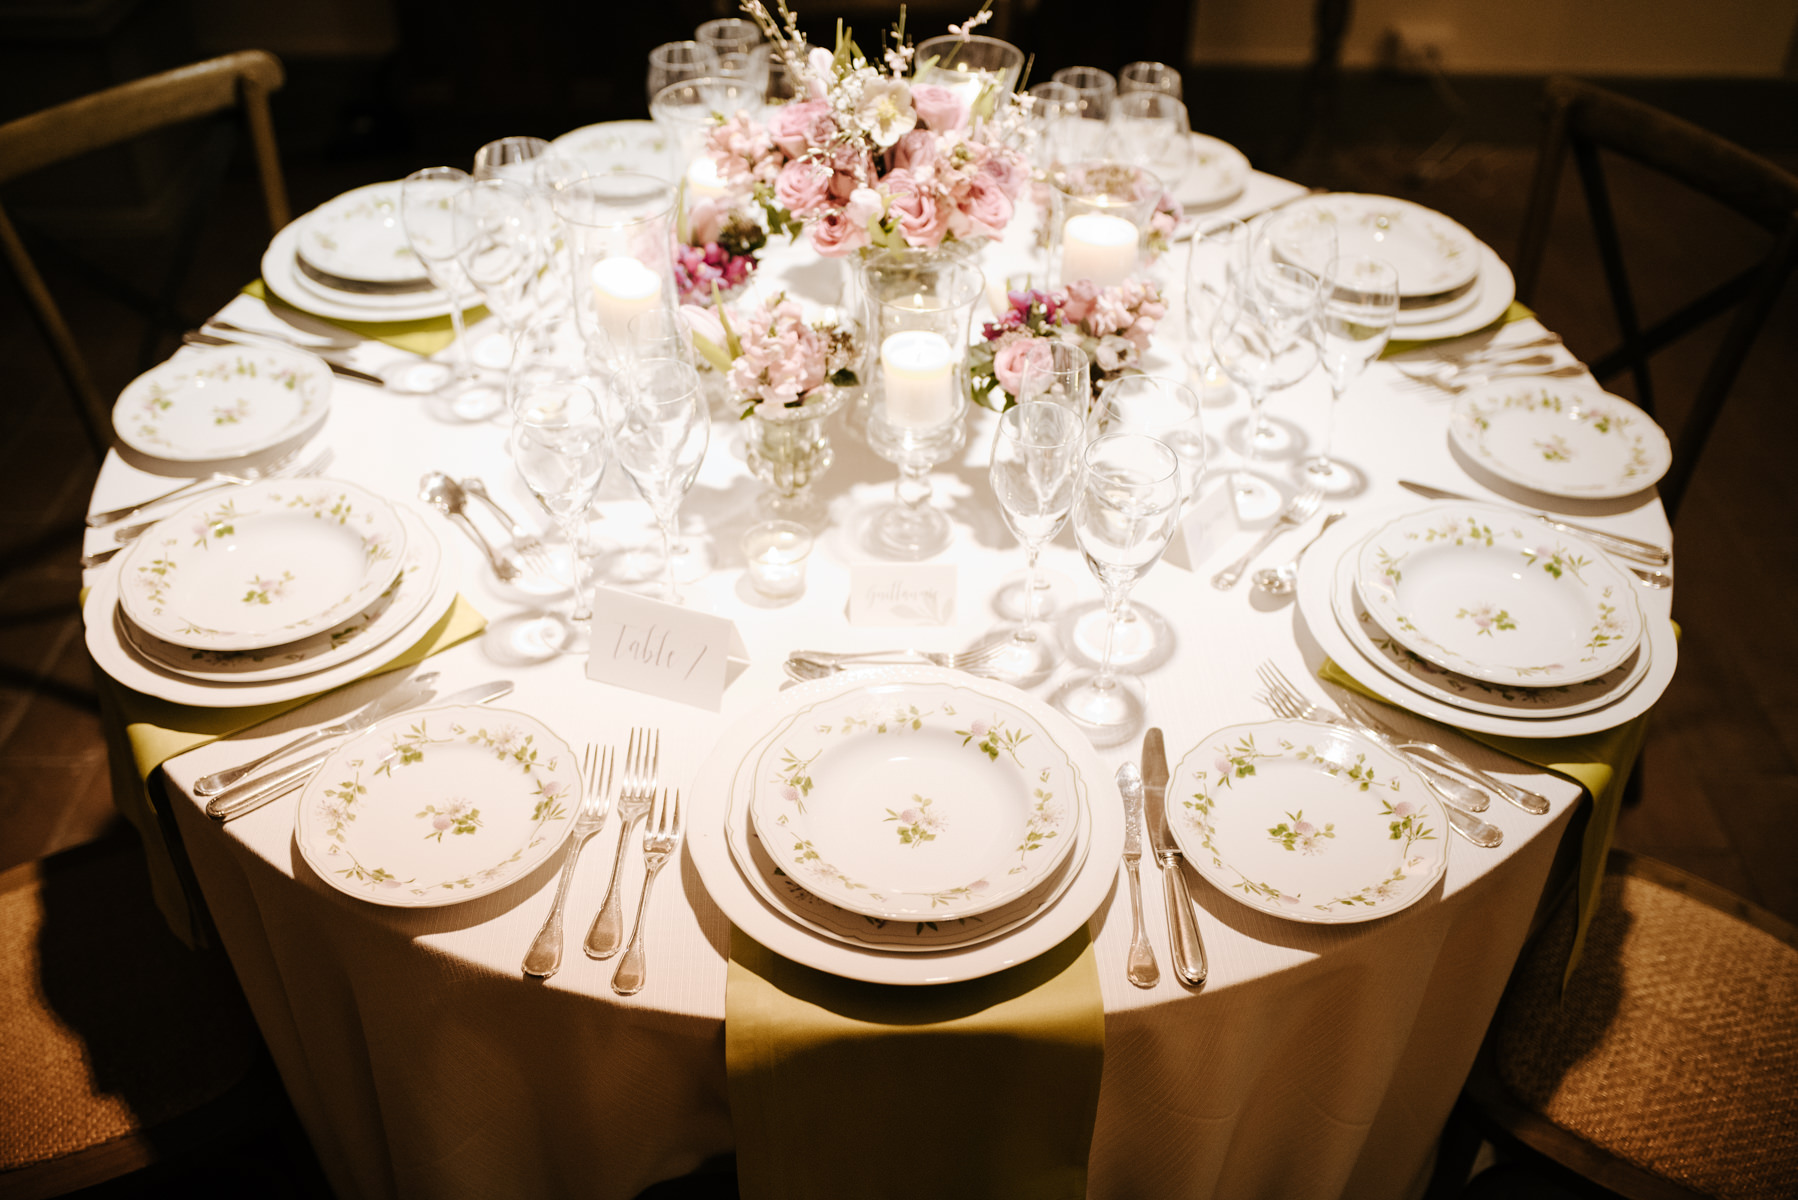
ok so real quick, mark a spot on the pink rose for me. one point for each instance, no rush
(1010, 361)
(1006, 172)
(915, 153)
(922, 221)
(788, 124)
(803, 187)
(834, 233)
(938, 107)
(987, 208)
(851, 168)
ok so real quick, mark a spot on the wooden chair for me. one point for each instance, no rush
(1669, 1068)
(1585, 119)
(240, 81)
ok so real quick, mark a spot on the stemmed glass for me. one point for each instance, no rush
(1359, 307)
(1151, 130)
(1219, 253)
(511, 158)
(1054, 109)
(1036, 457)
(1149, 77)
(672, 62)
(661, 443)
(559, 445)
(1058, 372)
(1094, 91)
(426, 198)
(1263, 337)
(1125, 510)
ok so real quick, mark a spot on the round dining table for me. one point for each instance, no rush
(1317, 1061)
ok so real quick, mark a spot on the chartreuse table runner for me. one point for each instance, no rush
(425, 336)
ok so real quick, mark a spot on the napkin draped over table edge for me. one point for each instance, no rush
(424, 336)
(1012, 1059)
(142, 732)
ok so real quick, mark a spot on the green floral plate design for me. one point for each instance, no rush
(1491, 594)
(262, 565)
(438, 806)
(914, 801)
(360, 236)
(1432, 253)
(1307, 822)
(210, 404)
(1561, 438)
(618, 146)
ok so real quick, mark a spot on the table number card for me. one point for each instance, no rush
(661, 649)
(901, 593)
(1207, 525)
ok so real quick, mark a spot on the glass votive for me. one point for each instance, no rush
(777, 551)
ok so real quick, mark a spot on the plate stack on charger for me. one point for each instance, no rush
(1484, 617)
(349, 260)
(268, 592)
(906, 825)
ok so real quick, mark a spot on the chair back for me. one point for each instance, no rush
(240, 81)
(1583, 119)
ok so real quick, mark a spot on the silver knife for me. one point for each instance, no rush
(1528, 801)
(1142, 969)
(1616, 543)
(248, 797)
(1182, 927)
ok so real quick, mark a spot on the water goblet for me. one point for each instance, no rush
(513, 158)
(1094, 90)
(660, 443)
(1057, 372)
(1151, 130)
(1264, 338)
(1149, 77)
(1035, 466)
(426, 198)
(560, 446)
(672, 62)
(1054, 113)
(1358, 308)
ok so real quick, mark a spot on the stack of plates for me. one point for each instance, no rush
(218, 405)
(269, 592)
(349, 260)
(1450, 282)
(1218, 173)
(640, 146)
(1482, 617)
(907, 825)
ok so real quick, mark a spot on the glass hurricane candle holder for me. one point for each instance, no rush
(620, 230)
(1099, 221)
(972, 68)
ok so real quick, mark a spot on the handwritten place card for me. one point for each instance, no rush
(901, 593)
(1207, 525)
(661, 649)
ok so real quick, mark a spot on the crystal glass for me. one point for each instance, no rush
(1359, 306)
(686, 112)
(501, 250)
(672, 62)
(1149, 77)
(1094, 91)
(1264, 339)
(789, 449)
(1054, 119)
(1058, 372)
(1164, 409)
(660, 333)
(511, 158)
(1150, 130)
(1303, 237)
(742, 54)
(1125, 511)
(560, 446)
(1099, 221)
(425, 210)
(1035, 466)
(1218, 253)
(620, 232)
(973, 68)
(661, 444)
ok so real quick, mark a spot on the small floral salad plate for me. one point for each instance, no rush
(223, 402)
(438, 806)
(262, 565)
(914, 801)
(617, 146)
(1432, 253)
(1561, 438)
(360, 236)
(1307, 822)
(1487, 593)
(1218, 173)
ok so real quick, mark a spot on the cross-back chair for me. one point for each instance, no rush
(240, 81)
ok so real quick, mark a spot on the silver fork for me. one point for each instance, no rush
(1449, 380)
(217, 479)
(635, 795)
(127, 534)
(527, 545)
(1295, 514)
(660, 841)
(545, 954)
(956, 660)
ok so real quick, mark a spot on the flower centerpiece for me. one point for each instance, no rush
(1113, 325)
(714, 250)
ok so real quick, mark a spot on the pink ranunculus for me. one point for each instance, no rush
(987, 208)
(1011, 359)
(788, 123)
(834, 232)
(803, 188)
(938, 107)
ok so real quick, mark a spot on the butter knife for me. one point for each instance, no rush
(1182, 927)
(1142, 969)
(1528, 801)
(248, 797)
(1627, 547)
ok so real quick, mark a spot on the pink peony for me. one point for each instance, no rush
(803, 188)
(938, 107)
(1011, 359)
(789, 122)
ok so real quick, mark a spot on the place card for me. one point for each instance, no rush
(661, 649)
(901, 593)
(1208, 524)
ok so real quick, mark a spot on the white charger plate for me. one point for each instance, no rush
(1561, 438)
(223, 402)
(709, 849)
(1495, 288)
(438, 806)
(1433, 253)
(1307, 822)
(360, 236)
(1217, 174)
(281, 275)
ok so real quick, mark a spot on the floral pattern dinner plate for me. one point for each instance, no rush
(438, 806)
(1307, 822)
(261, 565)
(1218, 174)
(912, 801)
(1562, 438)
(1432, 253)
(617, 146)
(222, 402)
(1491, 594)
(360, 236)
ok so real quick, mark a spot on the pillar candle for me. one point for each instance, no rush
(703, 182)
(622, 288)
(919, 373)
(1099, 247)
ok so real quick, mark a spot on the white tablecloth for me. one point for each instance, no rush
(1318, 1062)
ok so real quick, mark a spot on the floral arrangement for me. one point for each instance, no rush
(771, 355)
(869, 158)
(1113, 325)
(716, 249)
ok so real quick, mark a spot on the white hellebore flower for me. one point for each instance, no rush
(885, 111)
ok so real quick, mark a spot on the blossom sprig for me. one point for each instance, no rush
(770, 353)
(1114, 325)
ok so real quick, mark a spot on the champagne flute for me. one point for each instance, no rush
(425, 211)
(560, 446)
(661, 443)
(1125, 511)
(1264, 338)
(1358, 309)
(1036, 456)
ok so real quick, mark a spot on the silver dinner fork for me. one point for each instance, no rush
(660, 841)
(635, 796)
(1294, 515)
(545, 954)
(971, 659)
(525, 544)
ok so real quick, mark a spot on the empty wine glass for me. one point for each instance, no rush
(1058, 372)
(1125, 510)
(1219, 252)
(661, 443)
(1036, 459)
(1054, 111)
(498, 245)
(1264, 338)
(1359, 306)
(1149, 77)
(427, 200)
(560, 447)
(511, 158)
(672, 62)
(1094, 91)
(1151, 130)
(742, 54)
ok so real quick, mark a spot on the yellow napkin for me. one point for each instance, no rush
(1599, 762)
(145, 731)
(425, 336)
(989, 1087)
(1516, 312)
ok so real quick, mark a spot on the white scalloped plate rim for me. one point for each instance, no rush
(1649, 454)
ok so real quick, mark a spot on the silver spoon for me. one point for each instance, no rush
(1279, 581)
(446, 495)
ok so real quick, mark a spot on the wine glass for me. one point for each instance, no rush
(1149, 77)
(1359, 307)
(1219, 252)
(1036, 458)
(1058, 372)
(661, 443)
(1094, 91)
(672, 62)
(1151, 130)
(741, 52)
(511, 158)
(1125, 510)
(660, 333)
(559, 445)
(1054, 111)
(426, 198)
(498, 245)
(1263, 337)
